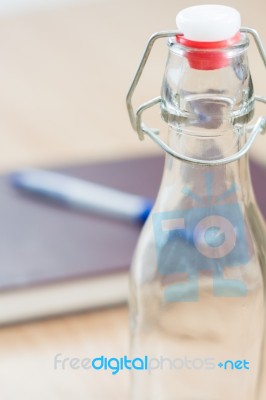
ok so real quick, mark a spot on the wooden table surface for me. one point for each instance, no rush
(64, 74)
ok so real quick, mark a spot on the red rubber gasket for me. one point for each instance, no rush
(207, 60)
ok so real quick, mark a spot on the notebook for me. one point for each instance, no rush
(54, 260)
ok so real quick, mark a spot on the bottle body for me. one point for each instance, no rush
(188, 317)
(197, 301)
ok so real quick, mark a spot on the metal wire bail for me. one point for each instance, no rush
(142, 129)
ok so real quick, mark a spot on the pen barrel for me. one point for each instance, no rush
(83, 195)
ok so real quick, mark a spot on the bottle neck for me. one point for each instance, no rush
(207, 112)
(205, 184)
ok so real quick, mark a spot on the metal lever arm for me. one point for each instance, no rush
(152, 40)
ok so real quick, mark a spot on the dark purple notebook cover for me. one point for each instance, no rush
(42, 242)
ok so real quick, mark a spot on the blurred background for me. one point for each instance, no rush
(65, 68)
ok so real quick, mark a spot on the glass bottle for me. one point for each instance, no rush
(197, 304)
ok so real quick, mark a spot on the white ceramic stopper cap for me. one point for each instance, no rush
(208, 23)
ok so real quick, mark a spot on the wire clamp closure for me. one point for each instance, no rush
(142, 129)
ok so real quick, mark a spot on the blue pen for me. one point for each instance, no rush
(85, 196)
(82, 195)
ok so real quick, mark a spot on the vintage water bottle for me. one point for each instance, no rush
(198, 276)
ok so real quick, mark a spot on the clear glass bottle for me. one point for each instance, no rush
(197, 304)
